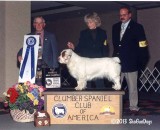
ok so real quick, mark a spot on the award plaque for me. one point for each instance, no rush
(51, 78)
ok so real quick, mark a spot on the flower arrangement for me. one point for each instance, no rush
(25, 96)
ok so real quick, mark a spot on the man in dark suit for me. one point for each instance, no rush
(131, 47)
(48, 51)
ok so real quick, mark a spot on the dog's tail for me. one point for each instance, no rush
(116, 59)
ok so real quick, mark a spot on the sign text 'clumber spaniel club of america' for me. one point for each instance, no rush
(85, 69)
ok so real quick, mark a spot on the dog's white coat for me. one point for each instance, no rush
(85, 69)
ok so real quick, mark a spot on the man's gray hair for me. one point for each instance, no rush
(40, 18)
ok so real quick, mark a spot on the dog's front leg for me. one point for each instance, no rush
(81, 84)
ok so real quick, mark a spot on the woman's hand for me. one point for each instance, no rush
(70, 45)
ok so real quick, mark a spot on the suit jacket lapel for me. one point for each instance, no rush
(119, 30)
(97, 35)
(45, 36)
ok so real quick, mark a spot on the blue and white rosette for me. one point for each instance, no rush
(30, 42)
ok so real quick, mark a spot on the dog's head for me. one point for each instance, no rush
(65, 56)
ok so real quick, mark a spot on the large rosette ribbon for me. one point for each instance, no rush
(30, 41)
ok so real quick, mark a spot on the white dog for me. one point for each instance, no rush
(41, 114)
(85, 69)
(59, 111)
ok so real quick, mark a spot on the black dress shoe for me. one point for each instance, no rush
(134, 112)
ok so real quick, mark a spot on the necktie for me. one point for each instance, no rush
(40, 46)
(122, 31)
(40, 40)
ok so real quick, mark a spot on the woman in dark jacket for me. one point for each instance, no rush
(92, 41)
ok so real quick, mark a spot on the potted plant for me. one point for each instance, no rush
(24, 99)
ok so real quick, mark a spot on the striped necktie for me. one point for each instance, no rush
(122, 31)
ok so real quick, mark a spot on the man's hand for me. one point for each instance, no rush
(20, 59)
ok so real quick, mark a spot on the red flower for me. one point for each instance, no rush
(13, 95)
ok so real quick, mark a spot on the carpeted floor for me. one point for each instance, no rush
(147, 107)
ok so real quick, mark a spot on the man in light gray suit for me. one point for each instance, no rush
(48, 50)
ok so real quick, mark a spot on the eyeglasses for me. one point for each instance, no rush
(123, 15)
(38, 23)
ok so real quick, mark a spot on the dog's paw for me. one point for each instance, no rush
(81, 85)
(78, 88)
(116, 88)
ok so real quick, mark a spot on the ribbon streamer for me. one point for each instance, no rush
(30, 41)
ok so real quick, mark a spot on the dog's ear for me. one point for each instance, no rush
(63, 53)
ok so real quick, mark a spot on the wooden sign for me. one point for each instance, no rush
(83, 107)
